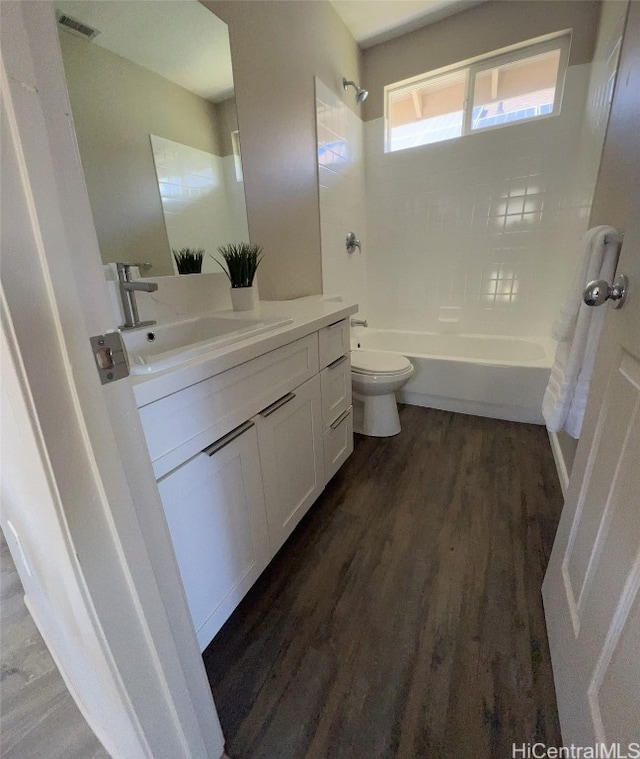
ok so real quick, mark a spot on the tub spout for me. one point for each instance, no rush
(359, 323)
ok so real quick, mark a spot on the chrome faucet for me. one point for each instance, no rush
(359, 323)
(128, 295)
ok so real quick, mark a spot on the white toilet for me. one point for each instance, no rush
(375, 378)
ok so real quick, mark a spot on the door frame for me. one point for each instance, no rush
(110, 548)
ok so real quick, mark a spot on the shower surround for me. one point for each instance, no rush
(341, 189)
(475, 235)
(478, 234)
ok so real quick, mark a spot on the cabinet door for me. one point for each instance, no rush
(215, 509)
(290, 435)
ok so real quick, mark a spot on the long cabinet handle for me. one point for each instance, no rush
(228, 438)
(340, 419)
(337, 362)
(278, 404)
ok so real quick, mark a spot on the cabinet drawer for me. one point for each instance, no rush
(333, 342)
(338, 444)
(183, 423)
(336, 389)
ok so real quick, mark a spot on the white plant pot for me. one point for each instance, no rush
(244, 298)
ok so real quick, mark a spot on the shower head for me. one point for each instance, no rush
(361, 95)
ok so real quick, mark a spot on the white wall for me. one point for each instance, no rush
(342, 210)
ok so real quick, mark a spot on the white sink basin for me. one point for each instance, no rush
(162, 346)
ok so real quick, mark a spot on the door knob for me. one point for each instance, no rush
(600, 291)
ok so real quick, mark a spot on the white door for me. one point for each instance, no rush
(591, 590)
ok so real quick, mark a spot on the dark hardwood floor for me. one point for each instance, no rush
(403, 618)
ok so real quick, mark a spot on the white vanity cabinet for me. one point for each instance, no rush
(337, 411)
(291, 452)
(214, 504)
(182, 423)
(240, 456)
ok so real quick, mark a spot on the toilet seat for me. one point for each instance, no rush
(378, 362)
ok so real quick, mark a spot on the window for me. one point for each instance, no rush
(490, 92)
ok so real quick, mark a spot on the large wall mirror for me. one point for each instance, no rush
(153, 104)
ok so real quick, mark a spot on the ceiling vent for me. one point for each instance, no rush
(76, 27)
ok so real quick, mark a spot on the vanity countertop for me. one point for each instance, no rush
(308, 315)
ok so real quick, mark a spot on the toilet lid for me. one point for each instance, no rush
(378, 362)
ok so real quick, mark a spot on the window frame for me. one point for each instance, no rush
(472, 67)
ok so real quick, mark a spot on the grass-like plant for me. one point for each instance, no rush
(188, 260)
(241, 261)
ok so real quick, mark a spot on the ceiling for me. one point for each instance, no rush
(375, 21)
(185, 43)
(178, 39)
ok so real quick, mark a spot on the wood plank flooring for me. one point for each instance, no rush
(403, 617)
(39, 718)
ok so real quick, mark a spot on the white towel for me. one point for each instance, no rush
(578, 330)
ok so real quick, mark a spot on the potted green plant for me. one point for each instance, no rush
(241, 261)
(188, 260)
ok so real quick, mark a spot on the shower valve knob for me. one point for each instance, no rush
(600, 291)
(352, 242)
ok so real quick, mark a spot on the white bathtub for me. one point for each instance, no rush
(500, 377)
